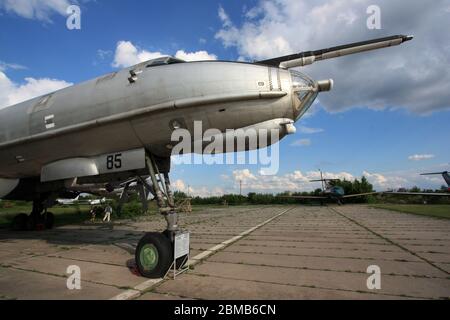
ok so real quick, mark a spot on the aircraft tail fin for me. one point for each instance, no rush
(446, 177)
(444, 174)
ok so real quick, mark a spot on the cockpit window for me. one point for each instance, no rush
(300, 80)
(163, 61)
(305, 90)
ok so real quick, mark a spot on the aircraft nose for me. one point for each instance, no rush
(306, 90)
(325, 85)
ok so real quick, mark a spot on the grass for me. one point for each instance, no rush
(64, 214)
(73, 214)
(433, 210)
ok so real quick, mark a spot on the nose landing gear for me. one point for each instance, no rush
(154, 252)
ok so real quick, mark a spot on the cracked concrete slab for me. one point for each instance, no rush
(306, 253)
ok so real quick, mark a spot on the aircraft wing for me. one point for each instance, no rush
(418, 194)
(309, 57)
(359, 195)
(304, 197)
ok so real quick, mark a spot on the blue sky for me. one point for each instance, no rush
(360, 129)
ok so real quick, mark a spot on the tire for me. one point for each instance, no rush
(49, 220)
(154, 255)
(20, 222)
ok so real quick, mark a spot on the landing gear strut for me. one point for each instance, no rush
(154, 252)
(39, 218)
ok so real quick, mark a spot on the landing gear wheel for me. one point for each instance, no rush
(20, 222)
(49, 220)
(154, 255)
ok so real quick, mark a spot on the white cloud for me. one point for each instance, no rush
(35, 9)
(180, 185)
(14, 66)
(301, 143)
(12, 93)
(412, 76)
(243, 175)
(295, 181)
(383, 182)
(419, 157)
(307, 130)
(298, 181)
(195, 56)
(224, 17)
(314, 175)
(127, 54)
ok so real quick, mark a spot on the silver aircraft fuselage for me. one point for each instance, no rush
(73, 133)
(114, 113)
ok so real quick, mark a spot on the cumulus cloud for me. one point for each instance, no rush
(243, 175)
(294, 181)
(419, 157)
(180, 185)
(12, 93)
(127, 54)
(195, 56)
(383, 182)
(298, 181)
(413, 76)
(35, 9)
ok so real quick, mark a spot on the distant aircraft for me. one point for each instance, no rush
(82, 201)
(119, 126)
(93, 202)
(331, 192)
(68, 201)
(444, 174)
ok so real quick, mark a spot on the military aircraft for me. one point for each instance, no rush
(77, 200)
(331, 192)
(444, 174)
(119, 126)
(67, 202)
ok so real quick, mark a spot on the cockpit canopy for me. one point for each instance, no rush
(162, 61)
(166, 60)
(305, 90)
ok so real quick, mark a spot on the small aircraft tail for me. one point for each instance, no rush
(444, 174)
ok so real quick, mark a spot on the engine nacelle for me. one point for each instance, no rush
(7, 186)
(258, 136)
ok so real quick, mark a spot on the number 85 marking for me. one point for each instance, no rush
(114, 161)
